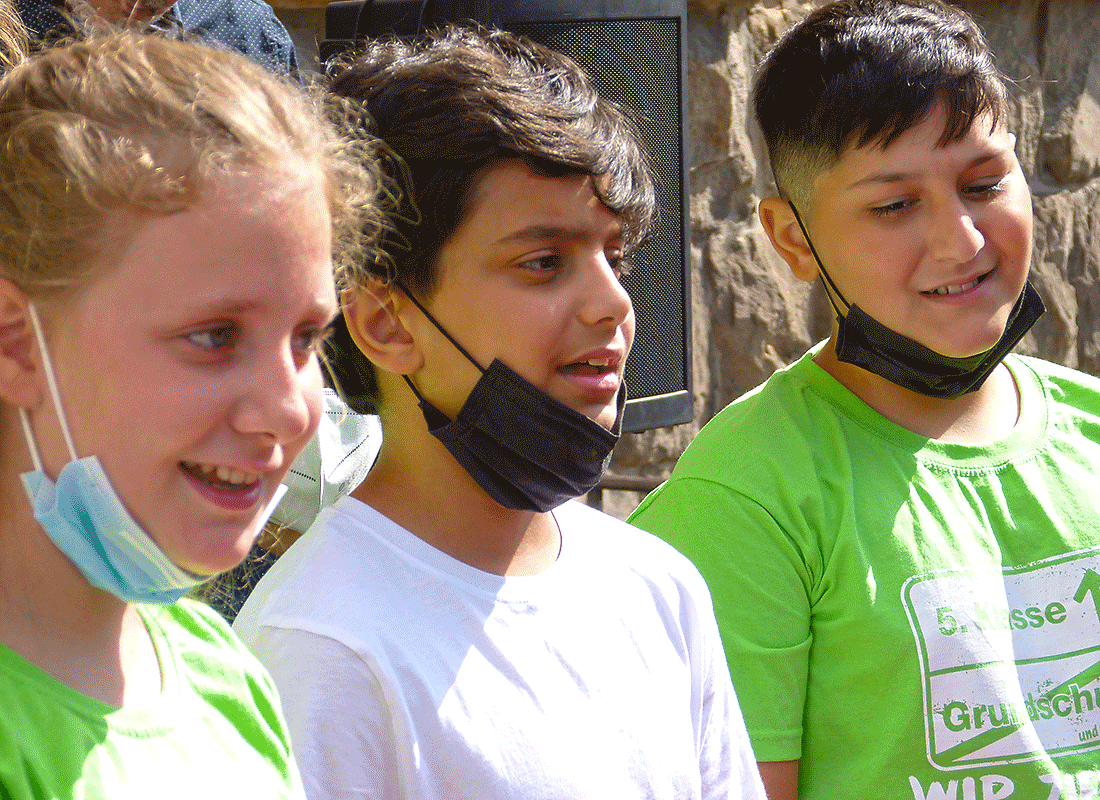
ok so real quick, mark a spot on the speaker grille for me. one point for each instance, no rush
(636, 63)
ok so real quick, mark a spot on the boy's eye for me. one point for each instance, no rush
(214, 338)
(985, 188)
(620, 263)
(544, 263)
(891, 208)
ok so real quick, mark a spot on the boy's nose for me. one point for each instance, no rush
(605, 299)
(954, 235)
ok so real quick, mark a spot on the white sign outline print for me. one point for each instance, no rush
(1009, 659)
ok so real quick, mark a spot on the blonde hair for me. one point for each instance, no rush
(13, 36)
(135, 123)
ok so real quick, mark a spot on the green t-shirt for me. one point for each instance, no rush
(216, 731)
(907, 618)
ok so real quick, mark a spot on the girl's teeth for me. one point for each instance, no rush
(223, 473)
(598, 362)
(230, 475)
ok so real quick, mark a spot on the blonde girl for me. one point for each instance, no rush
(168, 214)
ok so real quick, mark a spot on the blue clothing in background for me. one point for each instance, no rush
(247, 26)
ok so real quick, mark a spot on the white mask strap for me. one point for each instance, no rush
(51, 382)
(36, 459)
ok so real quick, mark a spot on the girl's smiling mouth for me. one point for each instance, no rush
(224, 486)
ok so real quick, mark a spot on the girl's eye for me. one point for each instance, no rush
(213, 339)
(313, 339)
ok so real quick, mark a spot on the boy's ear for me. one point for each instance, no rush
(782, 228)
(377, 330)
(20, 369)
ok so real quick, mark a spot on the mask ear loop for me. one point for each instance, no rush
(36, 459)
(441, 329)
(51, 382)
(840, 315)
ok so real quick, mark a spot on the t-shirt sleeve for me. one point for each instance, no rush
(727, 766)
(761, 588)
(339, 722)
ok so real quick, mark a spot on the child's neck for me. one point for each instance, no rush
(978, 417)
(50, 615)
(418, 484)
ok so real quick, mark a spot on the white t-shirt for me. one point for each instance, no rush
(405, 673)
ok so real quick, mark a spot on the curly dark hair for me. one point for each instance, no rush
(453, 103)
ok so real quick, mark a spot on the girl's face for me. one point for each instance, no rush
(190, 367)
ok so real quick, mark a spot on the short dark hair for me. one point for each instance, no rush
(857, 72)
(458, 101)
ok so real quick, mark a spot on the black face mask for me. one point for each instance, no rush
(866, 343)
(526, 450)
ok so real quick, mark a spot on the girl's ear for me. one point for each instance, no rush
(782, 228)
(377, 329)
(20, 368)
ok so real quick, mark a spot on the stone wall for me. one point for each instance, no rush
(750, 315)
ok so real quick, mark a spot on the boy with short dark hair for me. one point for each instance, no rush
(904, 570)
(456, 629)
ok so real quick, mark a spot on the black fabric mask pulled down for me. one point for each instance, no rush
(866, 343)
(525, 449)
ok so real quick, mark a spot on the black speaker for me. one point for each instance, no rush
(633, 51)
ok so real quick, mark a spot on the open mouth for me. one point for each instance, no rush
(959, 288)
(221, 477)
(594, 366)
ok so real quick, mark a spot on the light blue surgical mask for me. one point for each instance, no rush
(86, 519)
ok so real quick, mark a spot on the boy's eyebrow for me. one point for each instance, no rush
(541, 231)
(897, 177)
